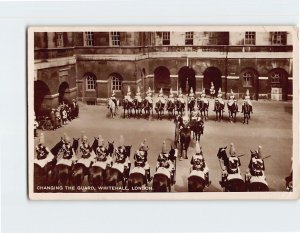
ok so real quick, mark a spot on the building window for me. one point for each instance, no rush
(189, 37)
(116, 83)
(249, 38)
(115, 38)
(88, 38)
(90, 82)
(212, 38)
(166, 38)
(278, 38)
(248, 77)
(275, 78)
(59, 39)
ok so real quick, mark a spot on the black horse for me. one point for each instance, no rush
(197, 127)
(159, 108)
(46, 175)
(179, 106)
(196, 183)
(147, 107)
(171, 108)
(185, 139)
(231, 185)
(203, 108)
(219, 108)
(232, 111)
(246, 109)
(161, 183)
(127, 106)
(138, 108)
(191, 105)
(136, 181)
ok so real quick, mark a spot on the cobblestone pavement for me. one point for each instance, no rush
(270, 126)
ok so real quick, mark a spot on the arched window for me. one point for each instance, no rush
(275, 77)
(116, 83)
(90, 82)
(248, 77)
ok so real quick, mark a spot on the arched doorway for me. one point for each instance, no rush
(186, 79)
(278, 78)
(62, 90)
(212, 75)
(162, 79)
(40, 91)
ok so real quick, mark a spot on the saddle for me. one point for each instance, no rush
(138, 170)
(198, 173)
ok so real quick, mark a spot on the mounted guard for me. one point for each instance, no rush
(198, 166)
(43, 154)
(102, 159)
(232, 106)
(247, 100)
(149, 96)
(164, 165)
(231, 166)
(68, 153)
(122, 161)
(138, 95)
(180, 97)
(128, 95)
(113, 98)
(256, 170)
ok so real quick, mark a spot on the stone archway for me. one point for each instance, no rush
(212, 75)
(186, 79)
(63, 92)
(162, 79)
(40, 91)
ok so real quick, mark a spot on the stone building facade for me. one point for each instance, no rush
(90, 65)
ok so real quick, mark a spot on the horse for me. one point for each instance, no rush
(203, 107)
(79, 171)
(197, 128)
(246, 109)
(185, 139)
(196, 183)
(191, 105)
(232, 110)
(114, 176)
(135, 181)
(179, 106)
(235, 184)
(147, 107)
(219, 107)
(171, 108)
(159, 108)
(112, 107)
(127, 106)
(161, 183)
(138, 107)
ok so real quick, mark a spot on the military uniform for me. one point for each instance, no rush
(232, 165)
(247, 99)
(43, 154)
(164, 165)
(180, 96)
(68, 153)
(256, 167)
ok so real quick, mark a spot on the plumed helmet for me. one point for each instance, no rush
(180, 91)
(259, 151)
(232, 150)
(198, 149)
(211, 84)
(100, 141)
(191, 92)
(121, 141)
(164, 148)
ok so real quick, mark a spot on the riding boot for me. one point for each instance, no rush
(207, 183)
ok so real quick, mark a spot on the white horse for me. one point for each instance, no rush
(112, 107)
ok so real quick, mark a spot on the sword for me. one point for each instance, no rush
(268, 156)
(241, 155)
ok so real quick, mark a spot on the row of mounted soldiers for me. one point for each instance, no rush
(98, 159)
(177, 105)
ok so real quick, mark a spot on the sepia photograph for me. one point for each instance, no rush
(162, 112)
